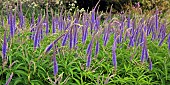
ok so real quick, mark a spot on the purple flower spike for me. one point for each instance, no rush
(88, 60)
(131, 43)
(169, 42)
(48, 48)
(143, 55)
(114, 52)
(53, 25)
(160, 43)
(75, 37)
(71, 40)
(89, 47)
(12, 23)
(156, 21)
(55, 68)
(128, 21)
(36, 39)
(97, 48)
(114, 60)
(150, 64)
(4, 47)
(64, 39)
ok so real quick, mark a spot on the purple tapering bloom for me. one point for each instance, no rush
(55, 65)
(71, 40)
(12, 24)
(36, 39)
(64, 39)
(53, 25)
(114, 61)
(97, 48)
(141, 38)
(146, 54)
(75, 34)
(105, 38)
(48, 48)
(31, 27)
(4, 47)
(37, 34)
(143, 54)
(89, 47)
(46, 26)
(21, 17)
(85, 31)
(156, 19)
(169, 41)
(128, 21)
(131, 43)
(150, 64)
(88, 60)
(161, 41)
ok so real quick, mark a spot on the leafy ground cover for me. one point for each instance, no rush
(84, 48)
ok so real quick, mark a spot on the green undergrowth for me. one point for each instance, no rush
(36, 68)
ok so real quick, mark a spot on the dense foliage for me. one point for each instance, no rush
(83, 47)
